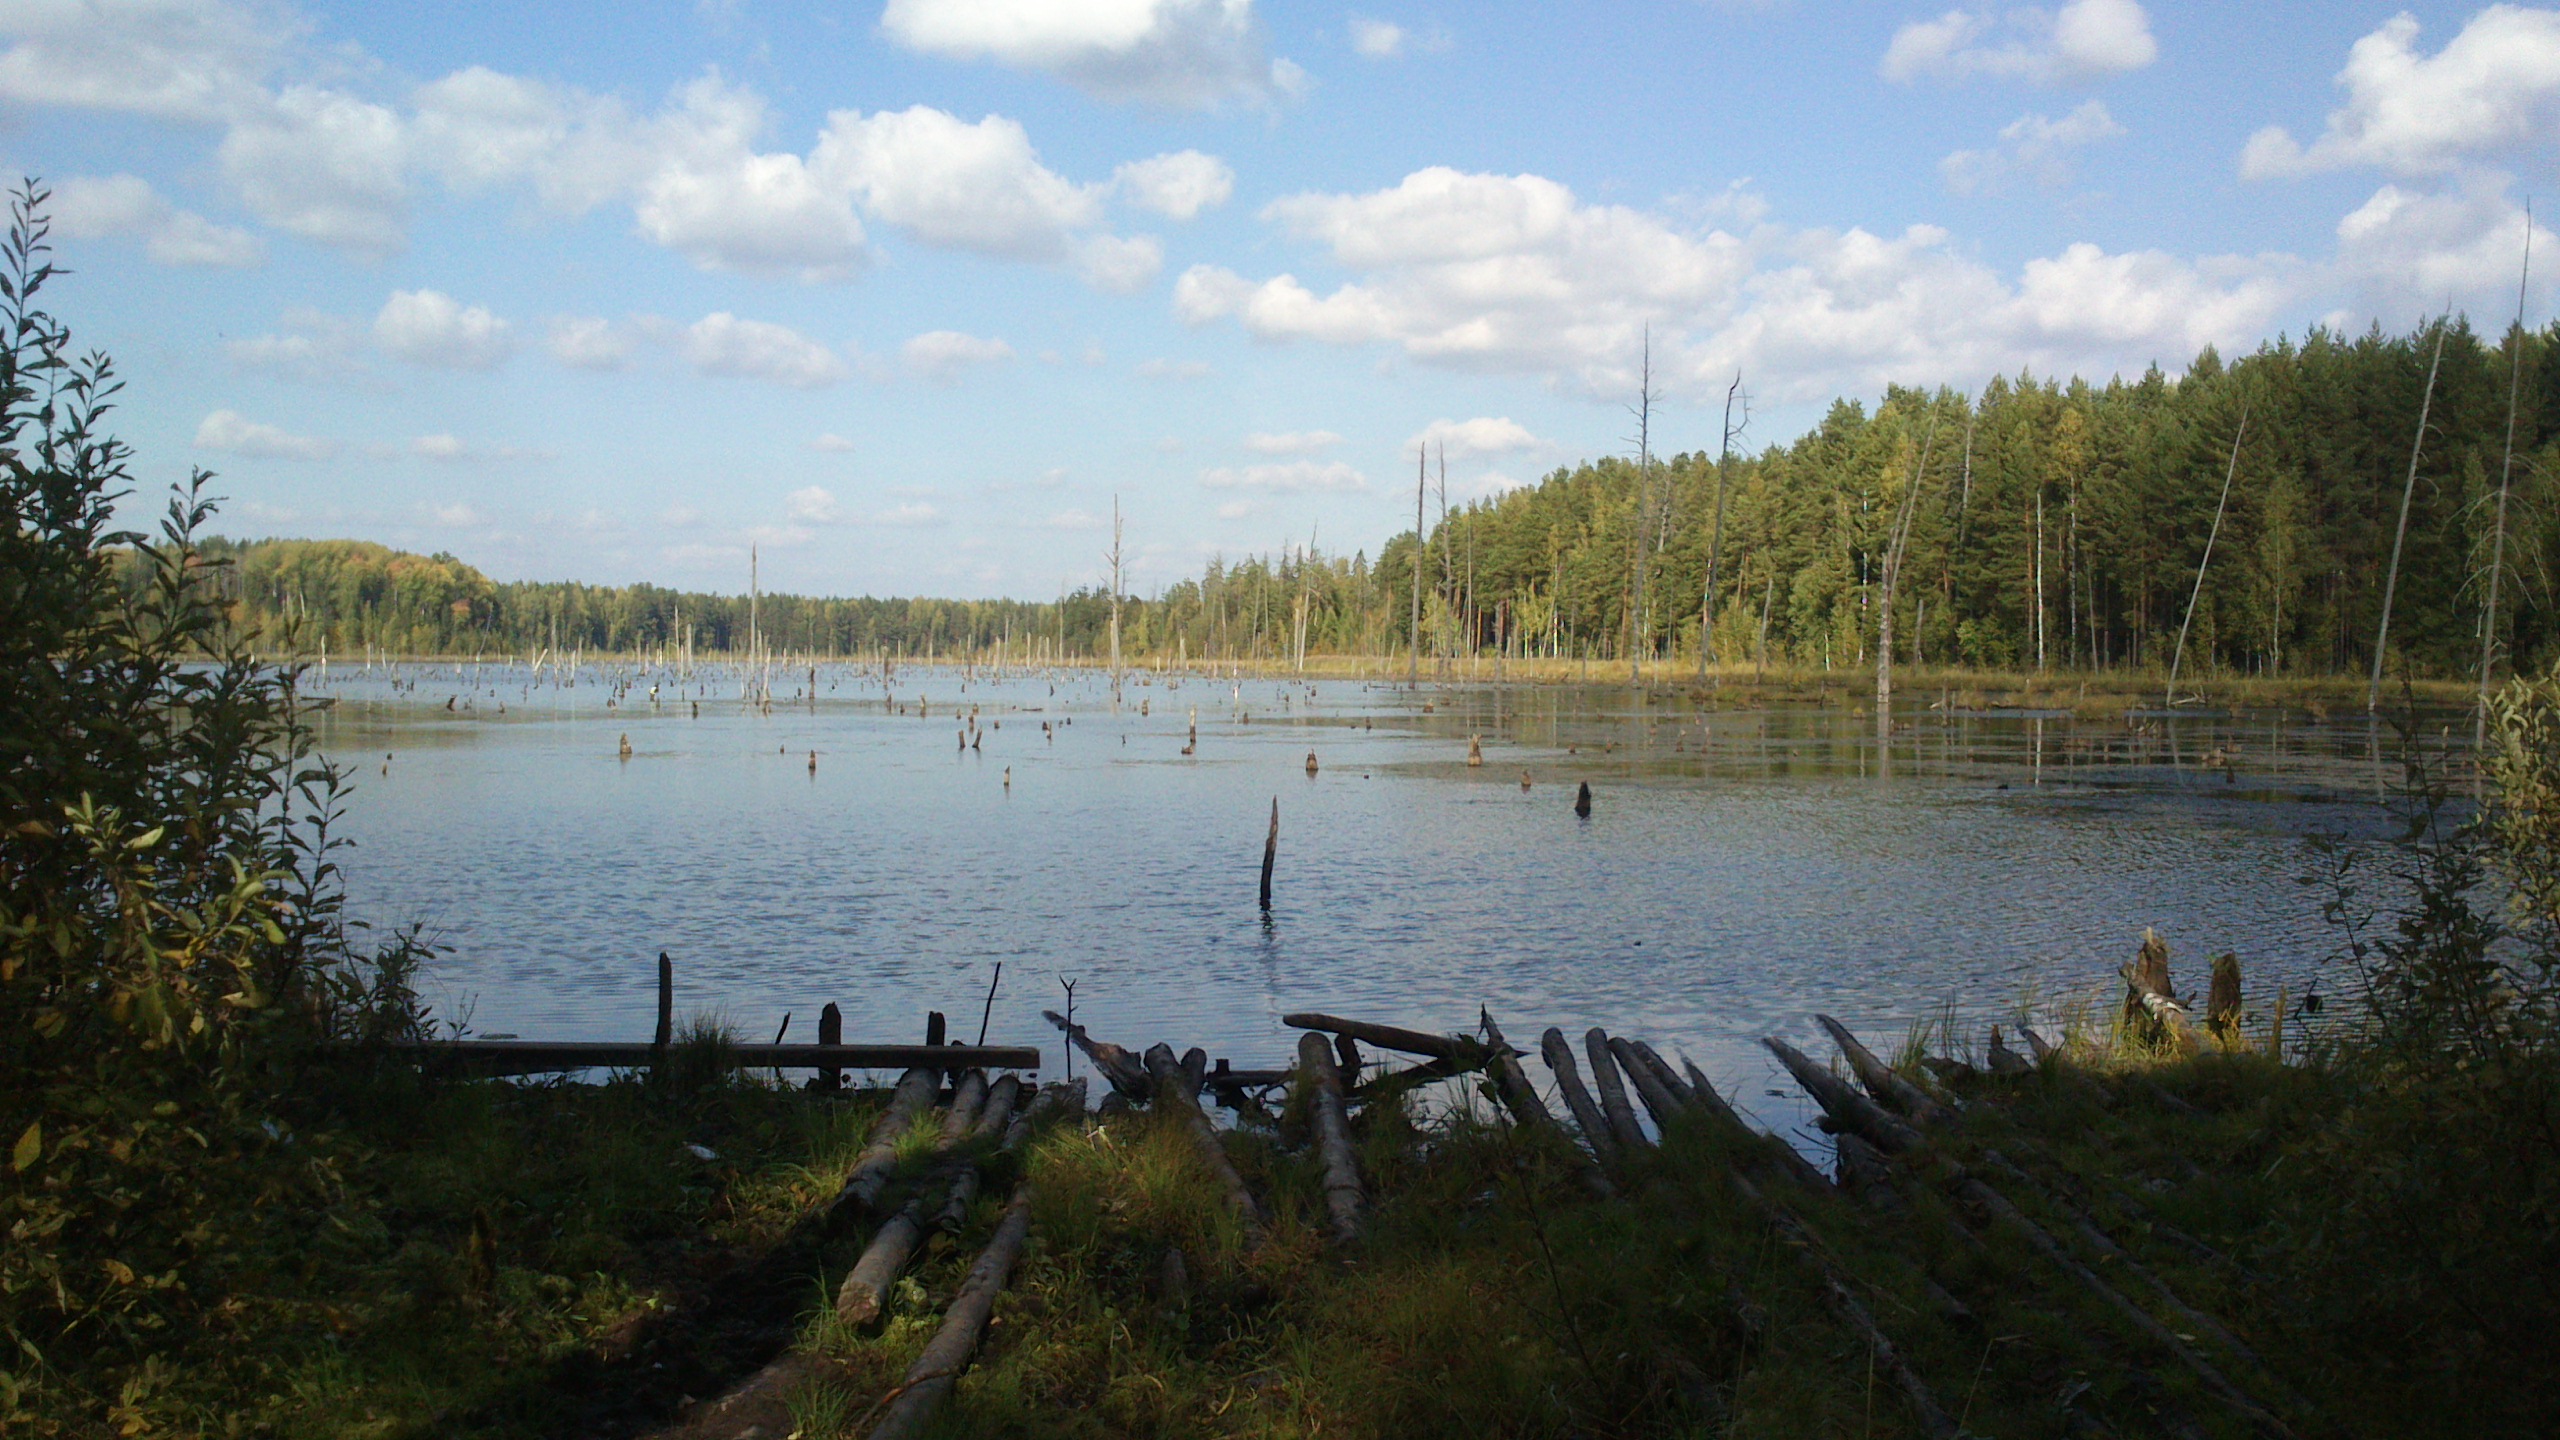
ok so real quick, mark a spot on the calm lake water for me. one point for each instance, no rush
(1741, 868)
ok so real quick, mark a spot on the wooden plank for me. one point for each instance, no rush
(531, 1057)
(1388, 1037)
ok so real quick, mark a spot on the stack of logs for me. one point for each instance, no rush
(1887, 1126)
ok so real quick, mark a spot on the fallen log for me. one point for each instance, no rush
(1671, 1079)
(1858, 1115)
(1173, 1095)
(1343, 1196)
(1843, 1103)
(1991, 1201)
(1767, 1148)
(858, 1299)
(1932, 1417)
(879, 1157)
(1883, 1082)
(1529, 1109)
(1391, 1037)
(1613, 1093)
(1116, 1064)
(1586, 1113)
(1659, 1099)
(936, 1372)
(538, 1057)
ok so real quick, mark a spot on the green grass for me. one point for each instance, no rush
(518, 1260)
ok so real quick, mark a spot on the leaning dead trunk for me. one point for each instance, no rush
(1343, 1195)
(1577, 1098)
(936, 1373)
(1613, 1092)
(1173, 1095)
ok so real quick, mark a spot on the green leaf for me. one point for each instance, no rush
(29, 1150)
(147, 838)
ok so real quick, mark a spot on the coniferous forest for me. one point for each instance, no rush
(2056, 525)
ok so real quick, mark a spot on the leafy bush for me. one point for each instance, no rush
(171, 937)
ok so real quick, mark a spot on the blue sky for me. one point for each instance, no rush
(905, 295)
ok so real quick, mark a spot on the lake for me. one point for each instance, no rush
(1742, 868)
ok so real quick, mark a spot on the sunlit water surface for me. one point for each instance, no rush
(1741, 869)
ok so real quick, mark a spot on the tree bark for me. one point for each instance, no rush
(936, 1373)
(1343, 1196)
(1577, 1098)
(1613, 1093)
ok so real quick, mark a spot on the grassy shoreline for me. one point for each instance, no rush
(552, 1259)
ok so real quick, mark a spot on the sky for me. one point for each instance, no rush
(907, 296)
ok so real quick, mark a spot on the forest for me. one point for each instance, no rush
(2047, 525)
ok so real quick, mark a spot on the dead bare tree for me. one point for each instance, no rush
(2408, 491)
(1421, 477)
(1892, 573)
(1643, 411)
(1715, 534)
(1115, 595)
(2506, 472)
(2169, 698)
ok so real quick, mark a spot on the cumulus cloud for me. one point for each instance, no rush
(313, 348)
(2082, 40)
(1178, 185)
(428, 327)
(188, 62)
(1183, 53)
(1376, 39)
(1483, 435)
(1294, 442)
(944, 354)
(813, 505)
(699, 172)
(2035, 148)
(1291, 478)
(450, 449)
(325, 166)
(125, 205)
(231, 433)
(2494, 86)
(1514, 274)
(590, 342)
(2403, 251)
(1118, 265)
(974, 187)
(722, 344)
(832, 444)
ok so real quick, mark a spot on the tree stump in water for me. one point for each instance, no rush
(2222, 1002)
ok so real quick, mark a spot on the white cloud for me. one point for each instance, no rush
(1483, 435)
(315, 349)
(1376, 39)
(448, 449)
(590, 342)
(943, 354)
(1189, 53)
(126, 205)
(1487, 271)
(813, 505)
(1290, 478)
(2404, 252)
(456, 514)
(1178, 185)
(2493, 87)
(1118, 265)
(1512, 274)
(231, 433)
(2082, 40)
(167, 59)
(909, 513)
(1163, 369)
(723, 344)
(325, 166)
(1073, 520)
(1237, 509)
(1296, 442)
(428, 327)
(974, 187)
(832, 444)
(2033, 147)
(711, 196)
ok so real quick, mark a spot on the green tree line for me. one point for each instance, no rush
(2056, 525)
